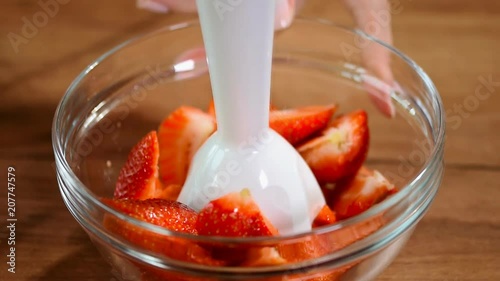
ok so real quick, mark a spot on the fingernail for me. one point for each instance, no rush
(152, 6)
(380, 94)
(285, 12)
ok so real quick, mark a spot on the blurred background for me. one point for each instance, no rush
(455, 41)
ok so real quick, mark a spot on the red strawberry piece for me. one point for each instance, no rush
(234, 215)
(304, 249)
(170, 192)
(211, 108)
(327, 189)
(165, 213)
(180, 135)
(315, 246)
(265, 256)
(341, 148)
(341, 238)
(355, 196)
(138, 178)
(325, 217)
(296, 125)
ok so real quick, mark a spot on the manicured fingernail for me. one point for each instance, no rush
(397, 87)
(152, 6)
(380, 93)
(285, 11)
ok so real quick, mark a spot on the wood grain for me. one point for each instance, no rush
(455, 41)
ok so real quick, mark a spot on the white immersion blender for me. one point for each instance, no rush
(245, 152)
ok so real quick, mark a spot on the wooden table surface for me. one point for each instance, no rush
(455, 41)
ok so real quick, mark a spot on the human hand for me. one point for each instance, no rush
(371, 16)
(285, 9)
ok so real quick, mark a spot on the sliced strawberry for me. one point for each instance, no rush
(234, 215)
(295, 125)
(265, 256)
(355, 196)
(325, 217)
(170, 192)
(138, 178)
(340, 150)
(327, 189)
(301, 250)
(347, 235)
(318, 245)
(211, 108)
(180, 135)
(315, 246)
(165, 213)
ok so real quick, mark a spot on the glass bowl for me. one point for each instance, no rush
(126, 93)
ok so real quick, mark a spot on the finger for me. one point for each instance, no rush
(380, 93)
(163, 6)
(367, 11)
(374, 18)
(286, 10)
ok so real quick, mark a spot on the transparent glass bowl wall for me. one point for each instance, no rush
(127, 92)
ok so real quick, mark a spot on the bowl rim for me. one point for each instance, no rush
(438, 136)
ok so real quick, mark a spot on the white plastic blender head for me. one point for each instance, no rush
(245, 152)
